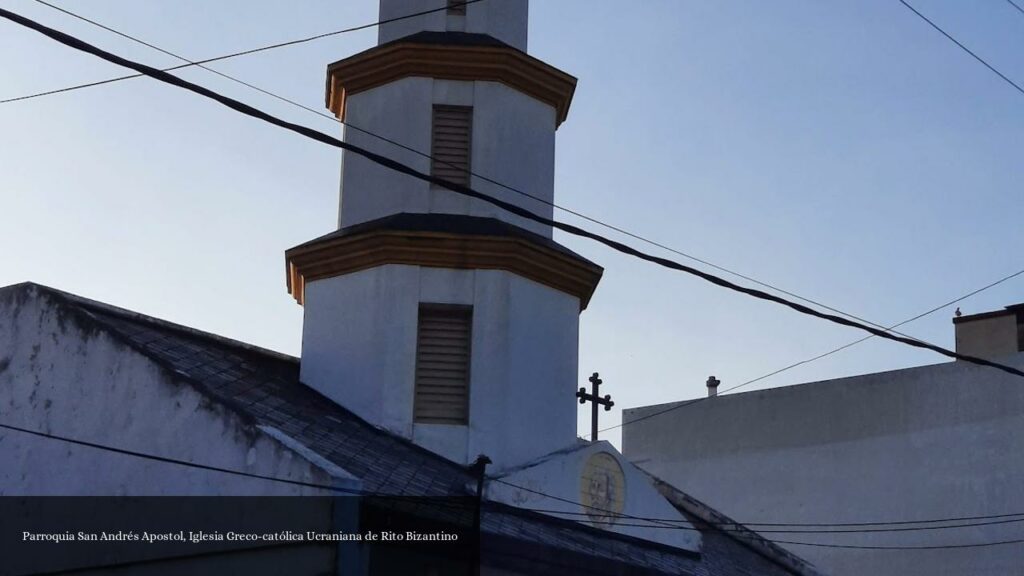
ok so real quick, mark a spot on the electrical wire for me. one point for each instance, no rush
(467, 171)
(193, 63)
(931, 547)
(819, 356)
(736, 529)
(578, 214)
(1015, 5)
(389, 163)
(742, 532)
(234, 54)
(208, 467)
(817, 524)
(962, 47)
(234, 104)
(178, 462)
(670, 523)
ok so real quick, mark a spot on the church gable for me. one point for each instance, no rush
(592, 483)
(63, 373)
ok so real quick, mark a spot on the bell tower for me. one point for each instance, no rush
(440, 317)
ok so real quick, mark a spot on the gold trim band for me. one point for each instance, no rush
(504, 64)
(346, 254)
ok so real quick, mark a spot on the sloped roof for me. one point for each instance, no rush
(723, 536)
(263, 387)
(447, 223)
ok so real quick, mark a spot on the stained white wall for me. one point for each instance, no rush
(59, 377)
(513, 143)
(359, 345)
(505, 20)
(933, 442)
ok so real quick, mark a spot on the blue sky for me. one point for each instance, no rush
(844, 151)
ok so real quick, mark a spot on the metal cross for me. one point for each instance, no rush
(597, 400)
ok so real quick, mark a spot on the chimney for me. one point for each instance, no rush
(991, 335)
(713, 386)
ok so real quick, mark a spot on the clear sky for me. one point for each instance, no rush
(844, 151)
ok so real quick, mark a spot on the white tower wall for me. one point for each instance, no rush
(505, 20)
(362, 289)
(359, 349)
(513, 142)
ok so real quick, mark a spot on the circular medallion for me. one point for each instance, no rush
(602, 489)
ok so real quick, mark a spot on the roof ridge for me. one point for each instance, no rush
(571, 524)
(125, 313)
(89, 306)
(716, 520)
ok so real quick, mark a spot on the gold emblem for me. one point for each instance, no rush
(602, 489)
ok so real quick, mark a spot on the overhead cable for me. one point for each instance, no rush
(248, 110)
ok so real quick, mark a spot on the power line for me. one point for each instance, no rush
(420, 500)
(819, 356)
(671, 523)
(208, 467)
(1015, 5)
(466, 191)
(505, 186)
(962, 47)
(890, 522)
(389, 163)
(665, 523)
(932, 547)
(737, 533)
(947, 520)
(234, 54)
(192, 63)
(741, 532)
(617, 229)
(178, 462)
(78, 44)
(463, 169)
(405, 147)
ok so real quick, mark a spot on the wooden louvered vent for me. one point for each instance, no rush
(442, 365)
(451, 143)
(456, 6)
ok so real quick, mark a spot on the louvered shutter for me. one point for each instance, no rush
(451, 142)
(442, 365)
(456, 6)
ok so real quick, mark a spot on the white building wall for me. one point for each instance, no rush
(359, 343)
(933, 442)
(59, 377)
(513, 143)
(505, 20)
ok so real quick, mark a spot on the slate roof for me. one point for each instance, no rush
(263, 387)
(451, 38)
